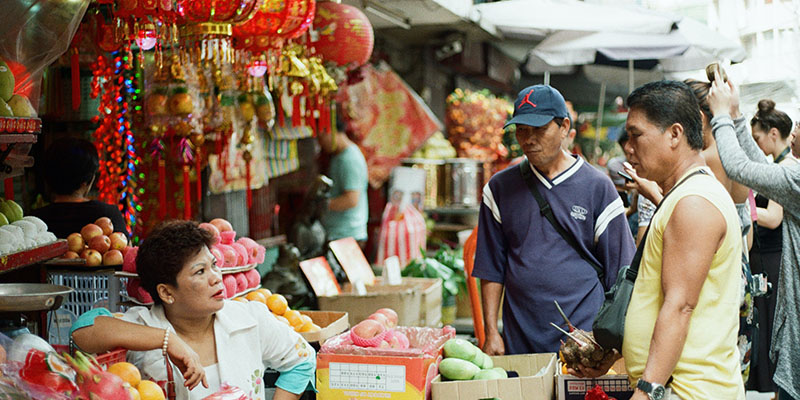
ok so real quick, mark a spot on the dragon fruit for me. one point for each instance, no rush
(95, 383)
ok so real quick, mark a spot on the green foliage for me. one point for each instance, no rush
(447, 264)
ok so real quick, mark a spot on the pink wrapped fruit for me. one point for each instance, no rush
(241, 253)
(241, 282)
(255, 251)
(253, 278)
(230, 286)
(129, 260)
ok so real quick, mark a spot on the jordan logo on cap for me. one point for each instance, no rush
(527, 100)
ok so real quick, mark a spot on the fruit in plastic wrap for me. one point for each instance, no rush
(586, 353)
(21, 106)
(6, 84)
(5, 110)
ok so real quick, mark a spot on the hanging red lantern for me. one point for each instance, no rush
(273, 23)
(215, 11)
(345, 34)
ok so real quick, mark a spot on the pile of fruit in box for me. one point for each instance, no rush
(279, 308)
(464, 361)
(97, 244)
(378, 331)
(19, 232)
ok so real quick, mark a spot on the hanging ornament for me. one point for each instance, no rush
(345, 34)
(206, 27)
(247, 142)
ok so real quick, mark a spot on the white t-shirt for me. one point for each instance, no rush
(212, 378)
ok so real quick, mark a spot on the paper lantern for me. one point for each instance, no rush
(345, 34)
(215, 11)
(273, 23)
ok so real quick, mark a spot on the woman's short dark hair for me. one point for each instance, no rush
(767, 117)
(166, 251)
(69, 163)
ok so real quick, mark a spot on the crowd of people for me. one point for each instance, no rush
(715, 222)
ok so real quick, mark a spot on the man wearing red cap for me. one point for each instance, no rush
(522, 251)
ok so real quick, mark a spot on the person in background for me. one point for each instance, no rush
(348, 210)
(744, 162)
(628, 196)
(209, 340)
(519, 250)
(680, 339)
(771, 130)
(795, 142)
(70, 168)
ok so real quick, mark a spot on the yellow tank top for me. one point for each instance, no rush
(708, 367)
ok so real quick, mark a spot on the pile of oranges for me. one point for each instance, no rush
(140, 389)
(279, 307)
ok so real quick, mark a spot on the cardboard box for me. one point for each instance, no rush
(331, 322)
(615, 385)
(526, 386)
(431, 300)
(405, 299)
(394, 377)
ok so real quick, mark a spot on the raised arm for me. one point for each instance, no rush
(746, 141)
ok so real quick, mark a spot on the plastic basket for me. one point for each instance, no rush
(92, 289)
(106, 359)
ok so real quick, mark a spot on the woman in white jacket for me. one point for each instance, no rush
(209, 341)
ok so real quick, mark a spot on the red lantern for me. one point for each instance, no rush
(216, 11)
(345, 34)
(275, 21)
(142, 9)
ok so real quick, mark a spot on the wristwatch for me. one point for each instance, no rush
(654, 390)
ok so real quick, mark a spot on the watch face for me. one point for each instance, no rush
(659, 392)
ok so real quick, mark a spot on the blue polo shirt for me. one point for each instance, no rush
(519, 248)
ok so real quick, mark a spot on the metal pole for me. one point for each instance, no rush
(600, 106)
(630, 76)
(546, 77)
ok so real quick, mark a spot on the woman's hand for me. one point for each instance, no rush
(722, 97)
(187, 361)
(647, 188)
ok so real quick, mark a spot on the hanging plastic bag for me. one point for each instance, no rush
(403, 233)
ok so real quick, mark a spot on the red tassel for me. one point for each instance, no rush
(297, 118)
(247, 185)
(324, 117)
(187, 194)
(9, 188)
(76, 79)
(197, 168)
(162, 190)
(311, 105)
(279, 111)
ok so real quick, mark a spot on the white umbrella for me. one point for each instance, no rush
(539, 18)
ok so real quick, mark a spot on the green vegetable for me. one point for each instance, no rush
(447, 264)
(458, 369)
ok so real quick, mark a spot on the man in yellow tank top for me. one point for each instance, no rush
(682, 321)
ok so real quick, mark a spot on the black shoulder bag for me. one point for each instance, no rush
(609, 324)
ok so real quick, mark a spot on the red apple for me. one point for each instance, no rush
(382, 318)
(119, 241)
(105, 224)
(242, 255)
(221, 224)
(211, 228)
(253, 278)
(217, 253)
(70, 255)
(368, 329)
(129, 259)
(391, 315)
(100, 243)
(112, 257)
(241, 282)
(93, 257)
(75, 242)
(230, 286)
(229, 256)
(89, 231)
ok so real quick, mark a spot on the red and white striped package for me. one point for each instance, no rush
(402, 233)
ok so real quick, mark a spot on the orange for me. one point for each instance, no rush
(277, 304)
(314, 328)
(149, 390)
(134, 393)
(293, 317)
(127, 371)
(305, 327)
(282, 319)
(240, 299)
(256, 296)
(264, 291)
(306, 318)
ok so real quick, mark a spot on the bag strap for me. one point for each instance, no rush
(633, 270)
(547, 212)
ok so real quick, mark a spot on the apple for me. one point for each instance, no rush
(391, 315)
(112, 257)
(217, 253)
(129, 259)
(89, 231)
(92, 257)
(242, 254)
(70, 255)
(241, 282)
(368, 329)
(253, 278)
(105, 224)
(100, 243)
(119, 241)
(221, 224)
(211, 228)
(382, 318)
(230, 286)
(229, 255)
(75, 242)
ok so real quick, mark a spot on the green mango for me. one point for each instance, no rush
(12, 210)
(490, 374)
(460, 348)
(5, 109)
(457, 369)
(21, 106)
(6, 82)
(3, 219)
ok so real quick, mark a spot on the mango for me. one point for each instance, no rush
(5, 110)
(457, 369)
(460, 348)
(3, 219)
(490, 374)
(21, 106)
(6, 83)
(485, 361)
(12, 210)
